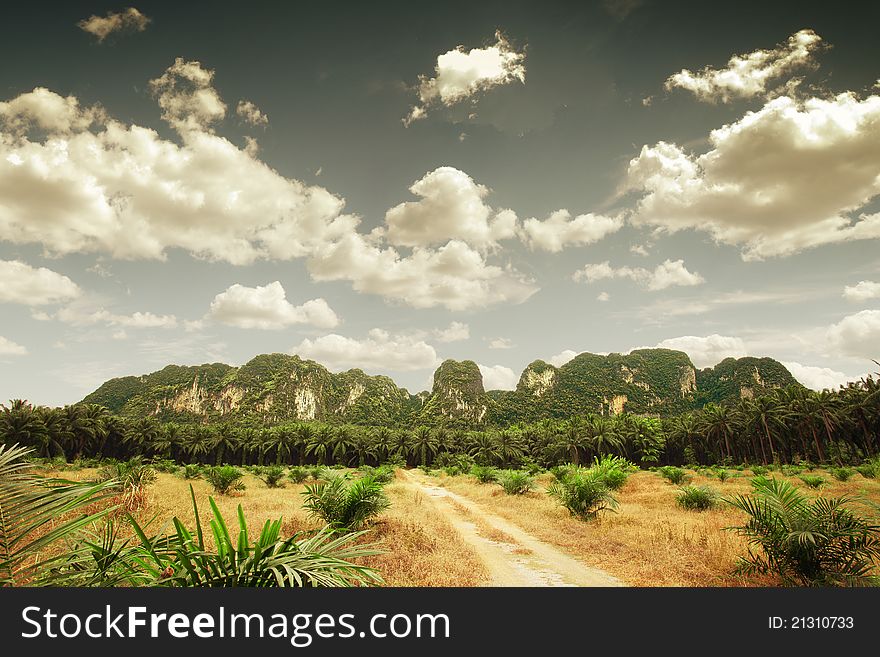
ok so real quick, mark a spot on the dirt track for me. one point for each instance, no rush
(512, 556)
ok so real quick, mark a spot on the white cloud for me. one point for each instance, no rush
(560, 230)
(267, 307)
(10, 348)
(129, 20)
(706, 351)
(603, 296)
(187, 98)
(451, 207)
(380, 351)
(454, 276)
(124, 191)
(639, 249)
(817, 378)
(562, 357)
(785, 178)
(461, 74)
(251, 114)
(862, 291)
(455, 332)
(498, 377)
(857, 336)
(21, 283)
(668, 274)
(501, 343)
(83, 315)
(749, 75)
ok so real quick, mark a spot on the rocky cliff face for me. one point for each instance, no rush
(276, 388)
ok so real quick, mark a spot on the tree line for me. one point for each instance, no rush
(788, 425)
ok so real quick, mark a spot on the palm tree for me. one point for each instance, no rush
(20, 424)
(321, 444)
(424, 445)
(226, 443)
(484, 449)
(717, 423)
(601, 435)
(509, 447)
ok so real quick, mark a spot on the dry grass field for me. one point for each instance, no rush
(648, 542)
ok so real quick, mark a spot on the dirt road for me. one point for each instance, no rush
(512, 556)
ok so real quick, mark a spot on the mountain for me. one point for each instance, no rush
(274, 388)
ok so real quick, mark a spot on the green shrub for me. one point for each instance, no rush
(452, 470)
(813, 481)
(298, 474)
(485, 474)
(562, 472)
(133, 476)
(806, 543)
(723, 475)
(273, 476)
(192, 471)
(225, 479)
(791, 470)
(759, 470)
(696, 498)
(384, 474)
(165, 465)
(515, 482)
(867, 470)
(613, 470)
(584, 493)
(674, 475)
(345, 505)
(842, 474)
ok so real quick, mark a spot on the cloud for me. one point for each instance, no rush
(862, 291)
(129, 20)
(21, 283)
(455, 332)
(380, 351)
(454, 276)
(187, 98)
(857, 336)
(603, 296)
(9, 348)
(83, 315)
(562, 357)
(251, 114)
(817, 378)
(560, 230)
(451, 207)
(461, 74)
(620, 9)
(751, 74)
(668, 274)
(639, 249)
(122, 190)
(706, 351)
(498, 377)
(267, 307)
(785, 178)
(501, 343)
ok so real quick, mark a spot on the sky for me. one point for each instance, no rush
(387, 185)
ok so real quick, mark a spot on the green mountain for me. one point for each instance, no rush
(275, 388)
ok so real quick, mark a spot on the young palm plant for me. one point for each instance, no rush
(584, 493)
(806, 543)
(30, 503)
(344, 505)
(314, 559)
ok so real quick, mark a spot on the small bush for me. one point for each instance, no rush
(225, 479)
(723, 475)
(345, 505)
(674, 475)
(165, 465)
(584, 494)
(452, 470)
(298, 474)
(868, 470)
(696, 498)
(133, 476)
(562, 472)
(759, 470)
(813, 481)
(613, 470)
(273, 476)
(791, 470)
(485, 474)
(842, 474)
(384, 474)
(515, 482)
(192, 471)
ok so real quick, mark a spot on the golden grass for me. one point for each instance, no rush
(649, 541)
(421, 546)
